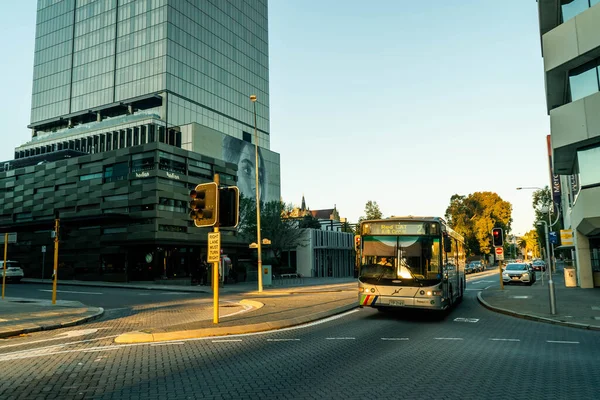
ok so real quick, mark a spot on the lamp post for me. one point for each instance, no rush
(548, 260)
(258, 241)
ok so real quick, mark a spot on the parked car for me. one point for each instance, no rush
(14, 272)
(469, 269)
(518, 272)
(539, 265)
(477, 266)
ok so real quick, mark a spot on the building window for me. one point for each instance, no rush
(172, 228)
(165, 204)
(118, 197)
(572, 8)
(247, 137)
(171, 163)
(116, 172)
(114, 230)
(584, 81)
(589, 168)
(90, 176)
(142, 162)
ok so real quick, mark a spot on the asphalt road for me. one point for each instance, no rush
(468, 353)
(107, 298)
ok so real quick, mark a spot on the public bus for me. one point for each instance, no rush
(410, 262)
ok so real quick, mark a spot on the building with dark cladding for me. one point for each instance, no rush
(123, 213)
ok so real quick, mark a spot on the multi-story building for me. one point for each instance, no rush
(570, 38)
(119, 85)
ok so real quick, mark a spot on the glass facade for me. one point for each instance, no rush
(571, 8)
(208, 55)
(584, 80)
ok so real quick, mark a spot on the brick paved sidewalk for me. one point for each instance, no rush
(19, 315)
(575, 307)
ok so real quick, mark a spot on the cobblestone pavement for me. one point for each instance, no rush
(465, 354)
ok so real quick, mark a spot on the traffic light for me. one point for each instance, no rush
(229, 207)
(357, 242)
(497, 237)
(204, 205)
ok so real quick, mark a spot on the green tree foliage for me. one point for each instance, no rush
(372, 210)
(309, 222)
(541, 200)
(474, 216)
(529, 242)
(282, 232)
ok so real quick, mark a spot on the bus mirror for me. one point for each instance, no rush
(447, 244)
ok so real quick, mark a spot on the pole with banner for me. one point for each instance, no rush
(214, 257)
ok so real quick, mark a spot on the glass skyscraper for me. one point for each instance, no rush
(178, 61)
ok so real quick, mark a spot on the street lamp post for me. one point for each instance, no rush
(548, 259)
(258, 241)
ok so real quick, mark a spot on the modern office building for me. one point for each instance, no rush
(105, 70)
(135, 102)
(570, 39)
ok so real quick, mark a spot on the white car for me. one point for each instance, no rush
(518, 272)
(14, 272)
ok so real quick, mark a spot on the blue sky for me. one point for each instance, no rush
(404, 103)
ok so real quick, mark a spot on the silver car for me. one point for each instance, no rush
(14, 273)
(518, 272)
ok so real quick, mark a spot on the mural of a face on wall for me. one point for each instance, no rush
(243, 154)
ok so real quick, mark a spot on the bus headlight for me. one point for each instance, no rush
(429, 293)
(437, 293)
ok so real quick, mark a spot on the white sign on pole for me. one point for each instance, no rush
(214, 247)
(43, 249)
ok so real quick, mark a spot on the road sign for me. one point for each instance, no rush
(214, 247)
(553, 237)
(43, 249)
(499, 250)
(12, 238)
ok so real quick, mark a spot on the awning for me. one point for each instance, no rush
(566, 246)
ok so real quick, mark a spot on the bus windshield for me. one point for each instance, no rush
(401, 260)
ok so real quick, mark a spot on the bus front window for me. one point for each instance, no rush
(404, 259)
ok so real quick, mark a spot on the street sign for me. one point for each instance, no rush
(43, 249)
(214, 247)
(566, 237)
(553, 237)
(499, 253)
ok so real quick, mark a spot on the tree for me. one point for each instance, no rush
(282, 232)
(474, 216)
(372, 210)
(529, 242)
(542, 199)
(309, 222)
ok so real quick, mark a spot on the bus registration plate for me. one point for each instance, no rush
(396, 302)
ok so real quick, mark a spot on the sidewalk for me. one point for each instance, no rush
(575, 307)
(18, 316)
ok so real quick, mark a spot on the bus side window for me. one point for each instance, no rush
(447, 244)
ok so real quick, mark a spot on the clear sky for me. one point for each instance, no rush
(401, 102)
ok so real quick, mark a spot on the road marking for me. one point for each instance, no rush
(487, 287)
(340, 338)
(68, 291)
(283, 340)
(170, 293)
(471, 320)
(520, 297)
(56, 345)
(561, 341)
(473, 289)
(81, 332)
(166, 344)
(448, 338)
(226, 340)
(394, 338)
(505, 340)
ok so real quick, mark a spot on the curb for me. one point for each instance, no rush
(143, 337)
(532, 317)
(118, 286)
(53, 325)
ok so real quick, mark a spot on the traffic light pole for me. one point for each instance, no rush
(4, 265)
(55, 275)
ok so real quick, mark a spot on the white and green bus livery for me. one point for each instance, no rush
(410, 262)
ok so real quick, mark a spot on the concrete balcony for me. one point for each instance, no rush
(585, 215)
(573, 126)
(567, 46)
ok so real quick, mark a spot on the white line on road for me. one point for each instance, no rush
(283, 340)
(340, 338)
(56, 345)
(166, 344)
(473, 289)
(226, 340)
(505, 340)
(394, 338)
(448, 338)
(561, 341)
(68, 291)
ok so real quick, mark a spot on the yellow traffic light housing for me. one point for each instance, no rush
(204, 204)
(229, 207)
